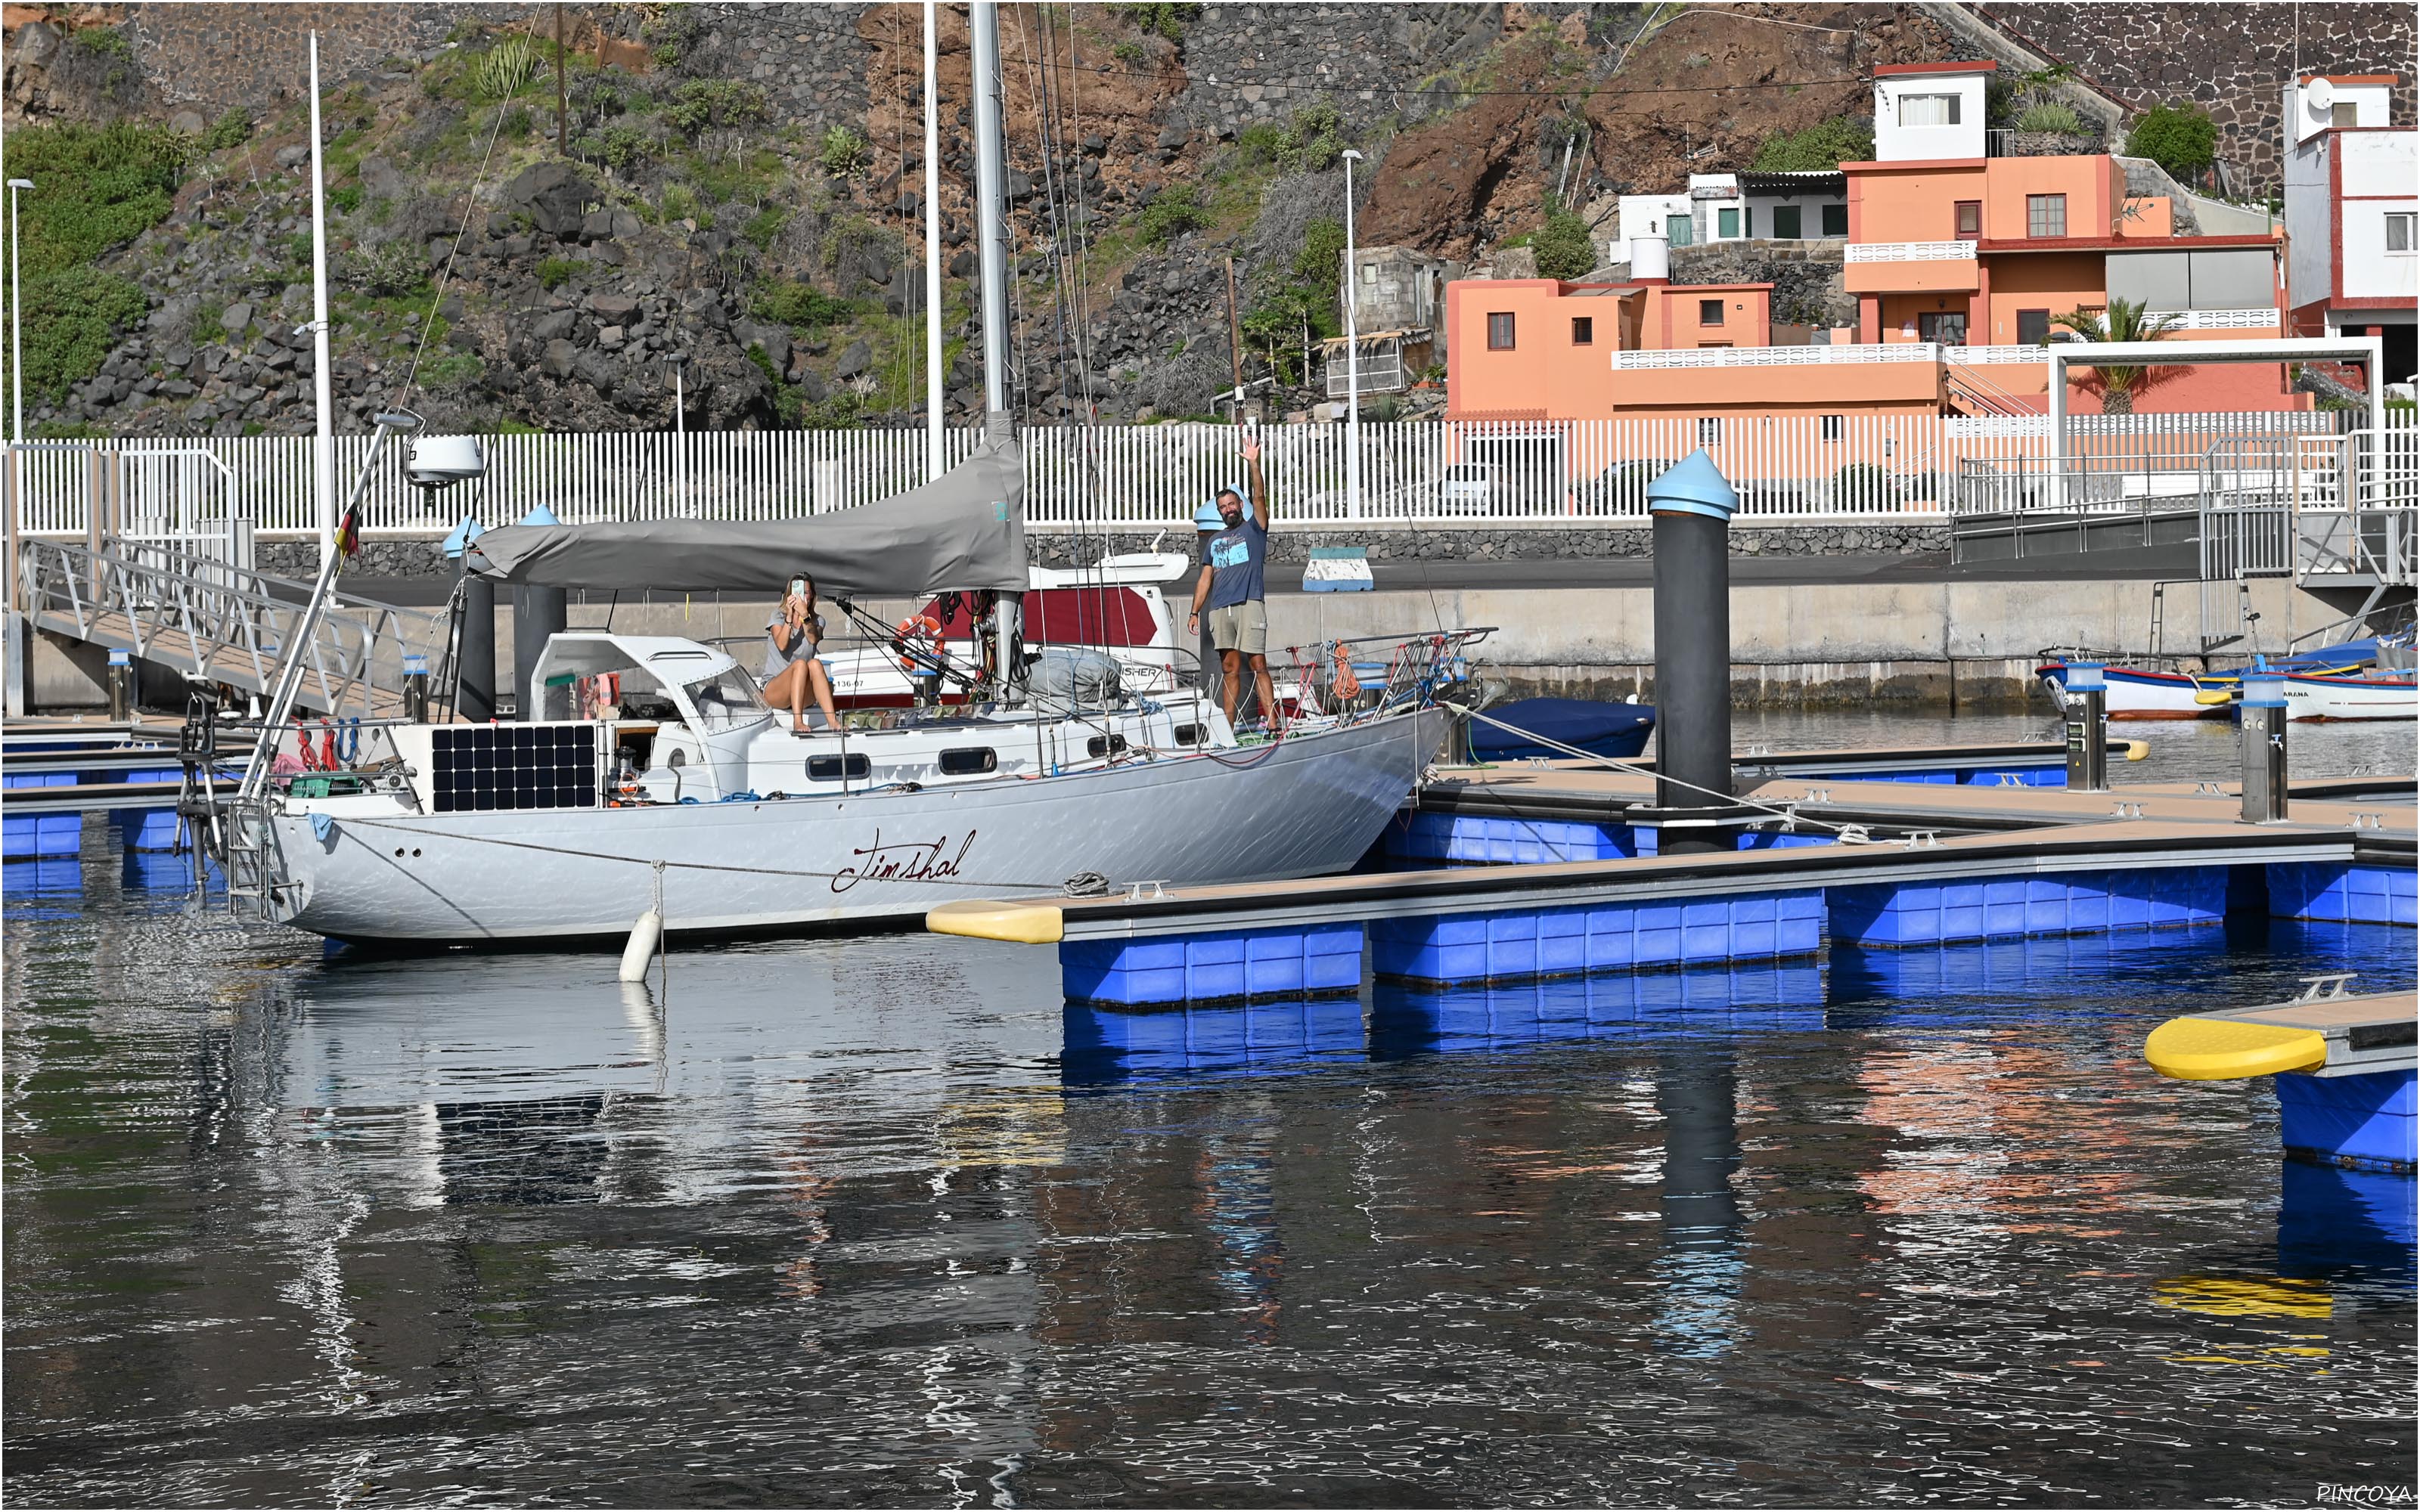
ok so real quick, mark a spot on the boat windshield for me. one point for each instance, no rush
(725, 698)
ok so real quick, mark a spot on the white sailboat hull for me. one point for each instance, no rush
(1304, 806)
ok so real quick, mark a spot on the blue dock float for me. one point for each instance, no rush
(2345, 1068)
(1504, 924)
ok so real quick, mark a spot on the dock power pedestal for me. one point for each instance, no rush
(2263, 707)
(2087, 727)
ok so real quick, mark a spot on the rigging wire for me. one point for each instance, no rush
(470, 207)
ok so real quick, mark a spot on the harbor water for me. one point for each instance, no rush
(886, 1221)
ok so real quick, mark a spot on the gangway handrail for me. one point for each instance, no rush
(235, 626)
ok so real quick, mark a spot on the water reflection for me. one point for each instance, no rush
(886, 1221)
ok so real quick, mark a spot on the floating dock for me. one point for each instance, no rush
(1506, 875)
(2344, 1065)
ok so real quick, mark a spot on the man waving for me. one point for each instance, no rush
(1230, 589)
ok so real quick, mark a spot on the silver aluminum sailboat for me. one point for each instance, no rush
(647, 772)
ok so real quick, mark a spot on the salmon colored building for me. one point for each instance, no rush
(1959, 262)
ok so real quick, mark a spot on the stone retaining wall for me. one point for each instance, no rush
(1520, 544)
(419, 556)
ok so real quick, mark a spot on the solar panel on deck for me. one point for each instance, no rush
(481, 769)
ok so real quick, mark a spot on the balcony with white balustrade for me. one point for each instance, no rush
(1910, 268)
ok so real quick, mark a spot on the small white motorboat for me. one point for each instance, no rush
(2379, 693)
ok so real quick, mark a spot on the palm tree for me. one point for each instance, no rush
(2126, 320)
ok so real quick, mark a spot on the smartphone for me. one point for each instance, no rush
(798, 588)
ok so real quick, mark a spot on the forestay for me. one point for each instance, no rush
(965, 530)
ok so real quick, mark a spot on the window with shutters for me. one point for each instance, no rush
(1835, 220)
(1786, 222)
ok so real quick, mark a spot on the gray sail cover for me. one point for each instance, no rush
(965, 530)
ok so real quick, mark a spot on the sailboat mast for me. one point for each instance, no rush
(323, 443)
(991, 234)
(991, 194)
(934, 458)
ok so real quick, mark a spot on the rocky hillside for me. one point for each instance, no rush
(737, 189)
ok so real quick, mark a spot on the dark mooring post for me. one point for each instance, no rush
(1692, 506)
(538, 612)
(474, 676)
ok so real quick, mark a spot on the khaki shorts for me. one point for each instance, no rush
(1243, 627)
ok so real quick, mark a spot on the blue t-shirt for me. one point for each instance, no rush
(1236, 555)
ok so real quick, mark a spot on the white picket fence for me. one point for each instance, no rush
(1451, 474)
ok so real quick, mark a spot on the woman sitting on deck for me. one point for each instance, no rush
(792, 668)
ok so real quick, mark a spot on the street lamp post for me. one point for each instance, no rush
(16, 321)
(1352, 354)
(12, 642)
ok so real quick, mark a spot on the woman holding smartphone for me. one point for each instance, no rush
(792, 669)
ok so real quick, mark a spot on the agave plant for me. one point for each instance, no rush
(507, 66)
(2124, 320)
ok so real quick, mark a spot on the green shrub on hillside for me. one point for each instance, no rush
(801, 306)
(232, 129)
(1163, 17)
(843, 152)
(72, 317)
(1820, 148)
(2050, 116)
(96, 187)
(506, 68)
(2181, 138)
(553, 272)
(1307, 144)
(1563, 246)
(1177, 210)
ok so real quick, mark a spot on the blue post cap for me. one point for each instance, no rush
(414, 664)
(2087, 676)
(1693, 486)
(2263, 691)
(464, 533)
(1208, 517)
(120, 657)
(540, 516)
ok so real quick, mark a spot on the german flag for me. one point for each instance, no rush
(348, 531)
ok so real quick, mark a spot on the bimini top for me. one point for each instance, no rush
(965, 530)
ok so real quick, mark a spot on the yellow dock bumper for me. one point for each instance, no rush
(2218, 1050)
(1019, 924)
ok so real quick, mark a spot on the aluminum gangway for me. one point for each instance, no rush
(213, 620)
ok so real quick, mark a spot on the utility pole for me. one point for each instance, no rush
(562, 93)
(1235, 341)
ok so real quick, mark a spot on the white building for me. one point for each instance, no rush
(2352, 216)
(1737, 207)
(1929, 111)
(2320, 101)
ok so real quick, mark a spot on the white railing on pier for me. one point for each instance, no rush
(1451, 474)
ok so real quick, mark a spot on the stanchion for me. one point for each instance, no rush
(2263, 708)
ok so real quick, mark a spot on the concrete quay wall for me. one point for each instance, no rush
(1968, 644)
